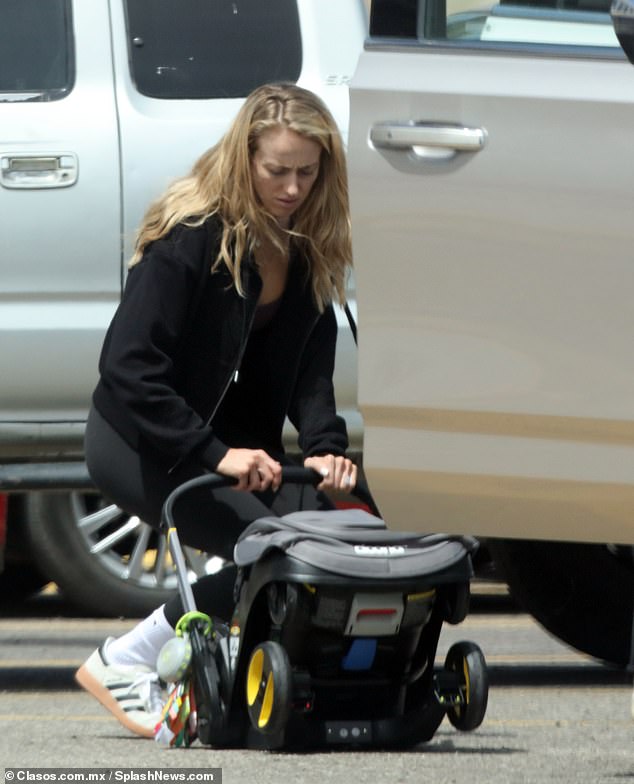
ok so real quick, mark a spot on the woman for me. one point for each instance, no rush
(225, 328)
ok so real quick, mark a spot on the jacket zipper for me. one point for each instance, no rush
(233, 376)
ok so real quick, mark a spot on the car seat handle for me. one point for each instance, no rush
(290, 474)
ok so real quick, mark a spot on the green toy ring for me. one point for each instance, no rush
(184, 622)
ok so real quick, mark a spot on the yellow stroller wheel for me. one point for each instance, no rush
(269, 688)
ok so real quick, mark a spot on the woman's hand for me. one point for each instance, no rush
(254, 469)
(339, 473)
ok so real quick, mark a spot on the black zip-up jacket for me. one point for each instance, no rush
(176, 341)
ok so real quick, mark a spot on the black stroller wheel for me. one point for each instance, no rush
(467, 661)
(209, 708)
(269, 688)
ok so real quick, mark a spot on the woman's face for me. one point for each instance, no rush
(284, 168)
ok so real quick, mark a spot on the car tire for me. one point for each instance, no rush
(103, 560)
(18, 582)
(20, 578)
(581, 593)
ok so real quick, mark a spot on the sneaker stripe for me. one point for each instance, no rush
(118, 685)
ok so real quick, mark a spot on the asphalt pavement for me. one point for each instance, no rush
(554, 715)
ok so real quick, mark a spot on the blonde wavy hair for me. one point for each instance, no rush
(220, 183)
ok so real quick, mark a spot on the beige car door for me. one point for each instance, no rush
(491, 172)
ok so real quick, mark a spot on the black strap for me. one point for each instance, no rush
(351, 321)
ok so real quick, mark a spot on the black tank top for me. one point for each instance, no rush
(244, 418)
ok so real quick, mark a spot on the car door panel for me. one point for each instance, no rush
(495, 379)
(60, 222)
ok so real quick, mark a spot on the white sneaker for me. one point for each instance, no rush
(132, 693)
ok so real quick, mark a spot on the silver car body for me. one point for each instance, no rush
(492, 192)
(76, 175)
(102, 104)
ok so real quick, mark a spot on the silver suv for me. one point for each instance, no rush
(102, 103)
(492, 194)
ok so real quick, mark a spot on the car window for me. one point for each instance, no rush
(36, 50)
(540, 22)
(220, 49)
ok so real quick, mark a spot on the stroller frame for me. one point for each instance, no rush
(315, 656)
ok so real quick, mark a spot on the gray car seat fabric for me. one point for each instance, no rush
(351, 543)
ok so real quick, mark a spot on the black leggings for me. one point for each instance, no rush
(139, 482)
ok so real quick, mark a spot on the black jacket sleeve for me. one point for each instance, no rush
(313, 409)
(138, 360)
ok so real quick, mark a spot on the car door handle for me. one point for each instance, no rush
(434, 137)
(38, 170)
